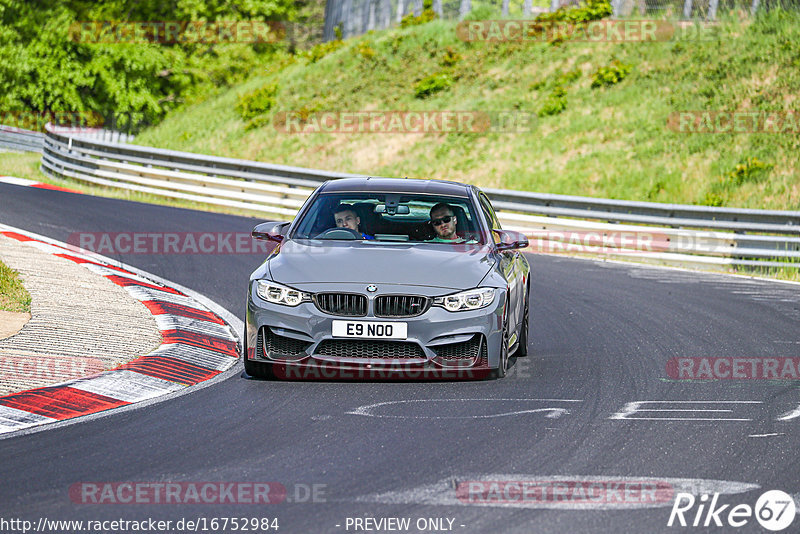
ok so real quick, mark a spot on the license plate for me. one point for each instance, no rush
(370, 330)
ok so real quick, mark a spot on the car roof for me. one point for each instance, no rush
(395, 185)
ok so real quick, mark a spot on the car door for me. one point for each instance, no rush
(510, 267)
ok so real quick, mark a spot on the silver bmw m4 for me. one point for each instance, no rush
(381, 278)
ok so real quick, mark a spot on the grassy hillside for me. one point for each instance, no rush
(607, 141)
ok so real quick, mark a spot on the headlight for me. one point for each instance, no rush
(278, 294)
(466, 300)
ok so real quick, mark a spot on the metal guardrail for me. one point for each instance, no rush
(22, 140)
(13, 138)
(664, 233)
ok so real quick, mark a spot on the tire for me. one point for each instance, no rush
(522, 345)
(502, 366)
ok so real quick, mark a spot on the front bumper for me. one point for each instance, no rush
(439, 342)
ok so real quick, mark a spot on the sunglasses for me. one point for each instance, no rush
(442, 220)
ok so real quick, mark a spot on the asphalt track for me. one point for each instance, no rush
(601, 338)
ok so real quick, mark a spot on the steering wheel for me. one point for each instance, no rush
(340, 233)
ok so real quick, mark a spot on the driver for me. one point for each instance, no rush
(346, 217)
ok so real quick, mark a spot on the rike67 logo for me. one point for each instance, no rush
(774, 510)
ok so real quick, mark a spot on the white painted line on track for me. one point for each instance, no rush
(635, 407)
(13, 180)
(766, 435)
(790, 415)
(552, 412)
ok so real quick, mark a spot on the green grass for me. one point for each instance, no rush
(609, 141)
(13, 297)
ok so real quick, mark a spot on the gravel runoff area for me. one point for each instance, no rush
(81, 323)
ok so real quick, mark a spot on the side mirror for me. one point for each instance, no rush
(511, 240)
(272, 231)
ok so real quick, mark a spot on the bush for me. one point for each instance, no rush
(432, 84)
(321, 50)
(590, 10)
(555, 103)
(451, 57)
(753, 170)
(427, 15)
(612, 74)
(365, 51)
(257, 102)
(569, 77)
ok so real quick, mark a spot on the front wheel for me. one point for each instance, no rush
(502, 366)
(522, 345)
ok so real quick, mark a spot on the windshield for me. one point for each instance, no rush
(390, 217)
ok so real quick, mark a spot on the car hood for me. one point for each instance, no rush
(419, 264)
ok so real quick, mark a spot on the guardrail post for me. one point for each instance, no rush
(464, 8)
(367, 16)
(712, 9)
(687, 9)
(384, 15)
(754, 7)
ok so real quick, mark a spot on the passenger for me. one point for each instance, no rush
(444, 223)
(346, 217)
